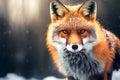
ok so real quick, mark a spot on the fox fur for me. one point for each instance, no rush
(79, 46)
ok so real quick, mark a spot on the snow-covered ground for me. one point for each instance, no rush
(116, 75)
(11, 76)
(52, 78)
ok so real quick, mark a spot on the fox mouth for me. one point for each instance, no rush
(70, 53)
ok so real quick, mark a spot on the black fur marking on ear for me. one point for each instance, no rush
(91, 7)
(54, 8)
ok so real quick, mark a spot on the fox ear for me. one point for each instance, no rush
(57, 10)
(88, 9)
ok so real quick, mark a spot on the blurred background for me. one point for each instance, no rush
(23, 26)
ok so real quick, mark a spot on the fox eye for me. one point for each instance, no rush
(65, 31)
(82, 31)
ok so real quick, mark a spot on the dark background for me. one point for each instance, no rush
(23, 26)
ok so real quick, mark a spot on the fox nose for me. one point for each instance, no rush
(74, 47)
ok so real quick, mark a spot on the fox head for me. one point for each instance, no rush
(73, 32)
(72, 26)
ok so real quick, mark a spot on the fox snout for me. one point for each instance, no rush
(74, 47)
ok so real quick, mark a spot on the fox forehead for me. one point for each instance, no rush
(74, 22)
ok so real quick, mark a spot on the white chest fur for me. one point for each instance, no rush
(81, 65)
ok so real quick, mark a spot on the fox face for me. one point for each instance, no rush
(78, 44)
(71, 29)
(75, 36)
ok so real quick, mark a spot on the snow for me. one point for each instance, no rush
(52, 78)
(116, 75)
(12, 76)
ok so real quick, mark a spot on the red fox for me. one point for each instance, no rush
(79, 46)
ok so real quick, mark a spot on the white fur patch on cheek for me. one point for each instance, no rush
(85, 40)
(69, 47)
(63, 40)
(80, 47)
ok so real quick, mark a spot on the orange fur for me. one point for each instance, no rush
(52, 49)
